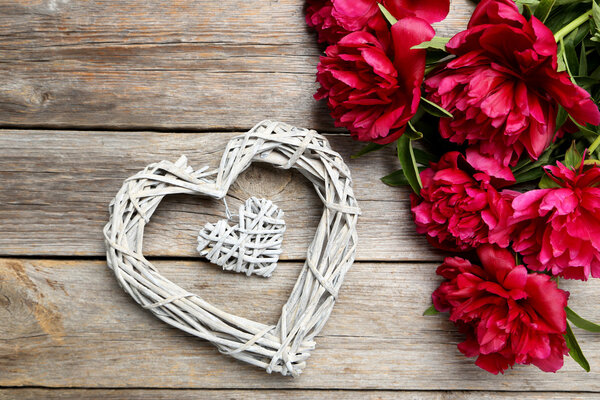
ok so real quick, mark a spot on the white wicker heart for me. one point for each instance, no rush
(251, 246)
(285, 347)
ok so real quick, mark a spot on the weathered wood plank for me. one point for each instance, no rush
(184, 394)
(68, 324)
(56, 187)
(178, 64)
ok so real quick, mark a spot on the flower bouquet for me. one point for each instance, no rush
(496, 133)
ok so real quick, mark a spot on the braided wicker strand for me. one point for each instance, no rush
(285, 347)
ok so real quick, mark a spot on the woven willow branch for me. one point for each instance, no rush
(285, 347)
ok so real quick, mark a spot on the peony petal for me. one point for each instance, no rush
(499, 102)
(490, 166)
(554, 361)
(496, 12)
(574, 99)
(354, 15)
(496, 261)
(563, 200)
(410, 63)
(527, 200)
(548, 301)
(429, 10)
(545, 43)
(494, 363)
(381, 64)
(516, 278)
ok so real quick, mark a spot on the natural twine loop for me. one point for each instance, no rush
(284, 347)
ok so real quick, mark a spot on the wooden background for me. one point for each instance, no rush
(91, 92)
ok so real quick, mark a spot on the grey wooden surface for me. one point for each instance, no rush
(91, 92)
(66, 323)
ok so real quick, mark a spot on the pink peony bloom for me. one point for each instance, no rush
(372, 78)
(368, 93)
(459, 208)
(319, 16)
(558, 229)
(509, 316)
(334, 19)
(356, 14)
(503, 87)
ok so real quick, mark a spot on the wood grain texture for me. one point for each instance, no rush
(196, 66)
(67, 324)
(57, 187)
(185, 394)
(180, 64)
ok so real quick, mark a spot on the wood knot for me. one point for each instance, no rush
(18, 95)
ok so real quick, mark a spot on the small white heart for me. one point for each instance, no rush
(252, 246)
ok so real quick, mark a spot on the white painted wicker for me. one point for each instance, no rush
(252, 245)
(285, 347)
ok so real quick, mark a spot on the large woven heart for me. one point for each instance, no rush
(284, 347)
(251, 246)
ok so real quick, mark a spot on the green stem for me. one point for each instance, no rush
(572, 26)
(595, 144)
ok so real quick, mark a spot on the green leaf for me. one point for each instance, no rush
(527, 13)
(564, 2)
(434, 109)
(543, 9)
(412, 132)
(422, 157)
(583, 66)
(571, 60)
(408, 163)
(584, 129)
(596, 13)
(438, 43)
(574, 349)
(561, 117)
(530, 175)
(586, 81)
(431, 311)
(528, 2)
(527, 170)
(435, 56)
(367, 149)
(572, 156)
(397, 178)
(580, 322)
(547, 183)
(596, 73)
(388, 16)
(560, 57)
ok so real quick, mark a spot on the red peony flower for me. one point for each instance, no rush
(319, 16)
(334, 19)
(459, 208)
(368, 93)
(509, 316)
(503, 87)
(558, 229)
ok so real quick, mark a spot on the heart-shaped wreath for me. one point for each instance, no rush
(285, 347)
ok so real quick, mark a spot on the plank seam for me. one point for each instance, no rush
(190, 258)
(143, 129)
(245, 389)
